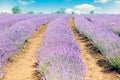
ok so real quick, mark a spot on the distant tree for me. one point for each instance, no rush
(16, 10)
(92, 12)
(30, 12)
(61, 11)
(57, 12)
(73, 13)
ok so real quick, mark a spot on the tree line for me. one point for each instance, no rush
(17, 10)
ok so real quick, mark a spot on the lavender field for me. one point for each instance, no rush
(51, 46)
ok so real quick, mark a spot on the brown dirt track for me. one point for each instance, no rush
(20, 66)
(90, 58)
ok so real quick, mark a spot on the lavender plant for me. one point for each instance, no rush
(8, 20)
(15, 36)
(58, 55)
(110, 21)
(103, 38)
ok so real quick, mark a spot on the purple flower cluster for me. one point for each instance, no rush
(109, 21)
(114, 58)
(58, 55)
(17, 34)
(103, 38)
(7, 48)
(7, 20)
(13, 37)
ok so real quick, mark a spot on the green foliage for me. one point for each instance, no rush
(73, 13)
(27, 39)
(61, 11)
(114, 61)
(92, 12)
(30, 12)
(43, 69)
(16, 10)
(118, 33)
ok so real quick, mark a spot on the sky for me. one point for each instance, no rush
(76, 6)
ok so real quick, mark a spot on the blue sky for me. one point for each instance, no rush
(48, 6)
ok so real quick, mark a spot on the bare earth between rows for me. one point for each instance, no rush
(21, 67)
(94, 72)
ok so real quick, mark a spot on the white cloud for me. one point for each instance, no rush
(86, 8)
(22, 2)
(5, 10)
(83, 8)
(69, 10)
(77, 12)
(101, 1)
(117, 2)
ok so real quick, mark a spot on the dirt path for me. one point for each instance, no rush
(21, 67)
(94, 72)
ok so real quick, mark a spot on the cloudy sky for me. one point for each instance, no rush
(77, 6)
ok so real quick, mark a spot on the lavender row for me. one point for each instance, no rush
(15, 36)
(11, 19)
(58, 55)
(11, 39)
(103, 38)
(109, 21)
(5, 16)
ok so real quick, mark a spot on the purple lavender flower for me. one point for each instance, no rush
(103, 38)
(58, 55)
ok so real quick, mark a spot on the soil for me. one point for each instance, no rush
(22, 66)
(91, 57)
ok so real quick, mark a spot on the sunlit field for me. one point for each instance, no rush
(74, 42)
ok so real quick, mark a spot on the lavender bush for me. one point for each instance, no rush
(8, 20)
(12, 38)
(103, 38)
(110, 21)
(58, 56)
